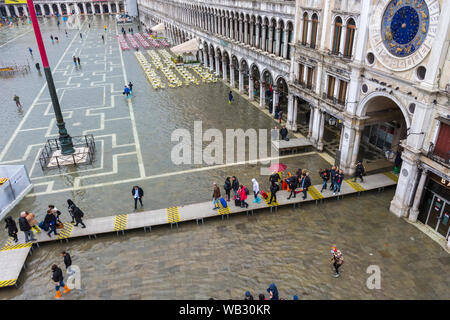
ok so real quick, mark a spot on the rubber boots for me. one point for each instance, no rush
(58, 294)
(66, 289)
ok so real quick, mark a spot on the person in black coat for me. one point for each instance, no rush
(78, 214)
(67, 262)
(58, 279)
(325, 175)
(50, 220)
(227, 187)
(284, 133)
(293, 183)
(24, 226)
(234, 186)
(70, 208)
(137, 194)
(274, 187)
(304, 184)
(333, 173)
(359, 171)
(12, 228)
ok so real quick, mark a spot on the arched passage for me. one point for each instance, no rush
(219, 63)
(281, 97)
(235, 70)
(244, 77)
(226, 66)
(254, 83)
(267, 82)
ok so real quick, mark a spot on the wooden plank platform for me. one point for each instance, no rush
(13, 255)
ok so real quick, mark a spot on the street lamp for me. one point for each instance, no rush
(65, 139)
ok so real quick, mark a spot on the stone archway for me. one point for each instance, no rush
(254, 83)
(244, 77)
(235, 71)
(267, 83)
(281, 95)
(226, 66)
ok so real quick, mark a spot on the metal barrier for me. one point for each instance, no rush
(86, 142)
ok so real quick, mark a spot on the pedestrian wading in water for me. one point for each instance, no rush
(337, 259)
(12, 228)
(58, 279)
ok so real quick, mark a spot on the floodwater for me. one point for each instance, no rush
(220, 259)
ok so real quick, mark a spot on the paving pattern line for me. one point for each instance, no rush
(314, 193)
(120, 222)
(356, 186)
(222, 210)
(16, 246)
(173, 215)
(391, 176)
(65, 232)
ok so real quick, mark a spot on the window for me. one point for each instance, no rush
(330, 91)
(349, 38)
(309, 78)
(305, 28)
(337, 35)
(315, 23)
(301, 72)
(442, 149)
(342, 92)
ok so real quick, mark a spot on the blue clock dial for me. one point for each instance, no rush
(404, 26)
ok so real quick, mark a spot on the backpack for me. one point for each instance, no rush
(246, 191)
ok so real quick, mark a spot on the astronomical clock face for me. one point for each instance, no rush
(402, 31)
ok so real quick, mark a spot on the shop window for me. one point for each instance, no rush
(349, 38)
(337, 35)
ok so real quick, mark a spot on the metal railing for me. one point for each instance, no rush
(86, 142)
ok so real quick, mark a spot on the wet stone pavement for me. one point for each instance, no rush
(220, 259)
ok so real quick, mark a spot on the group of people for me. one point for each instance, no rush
(130, 30)
(336, 177)
(128, 90)
(53, 39)
(51, 222)
(240, 192)
(58, 277)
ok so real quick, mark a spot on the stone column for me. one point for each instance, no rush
(16, 11)
(252, 39)
(49, 7)
(270, 49)
(278, 42)
(251, 84)
(232, 75)
(262, 94)
(211, 63)
(286, 43)
(42, 9)
(230, 28)
(241, 80)
(276, 95)
(258, 34)
(358, 134)
(414, 211)
(217, 66)
(117, 7)
(245, 31)
(312, 114)
(408, 175)
(263, 38)
(25, 10)
(8, 13)
(294, 115)
(59, 8)
(236, 29)
(109, 7)
(101, 8)
(224, 69)
(321, 130)
(290, 111)
(343, 35)
(84, 7)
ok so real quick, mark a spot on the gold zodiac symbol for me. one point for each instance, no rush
(399, 50)
(388, 34)
(399, 3)
(424, 30)
(424, 16)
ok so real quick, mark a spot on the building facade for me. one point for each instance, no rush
(246, 43)
(52, 7)
(382, 69)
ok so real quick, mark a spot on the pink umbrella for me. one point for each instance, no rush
(277, 167)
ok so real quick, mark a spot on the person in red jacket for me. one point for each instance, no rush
(243, 196)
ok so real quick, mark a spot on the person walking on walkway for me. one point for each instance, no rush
(78, 215)
(81, 36)
(338, 182)
(293, 184)
(67, 262)
(51, 37)
(274, 187)
(126, 91)
(243, 195)
(138, 194)
(50, 221)
(256, 191)
(235, 186)
(75, 61)
(31, 218)
(227, 187)
(325, 175)
(25, 227)
(31, 51)
(216, 196)
(305, 184)
(17, 100)
(78, 60)
(130, 85)
(103, 38)
(333, 173)
(337, 259)
(71, 207)
(38, 67)
(230, 97)
(66, 33)
(359, 171)
(12, 228)
(58, 279)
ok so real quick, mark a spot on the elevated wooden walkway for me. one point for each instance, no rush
(13, 256)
